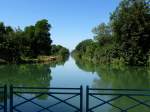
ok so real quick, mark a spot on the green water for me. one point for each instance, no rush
(73, 73)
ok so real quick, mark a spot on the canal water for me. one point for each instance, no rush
(73, 73)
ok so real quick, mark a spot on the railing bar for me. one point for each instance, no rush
(5, 98)
(119, 89)
(123, 94)
(105, 102)
(87, 98)
(90, 111)
(81, 98)
(65, 88)
(35, 103)
(11, 98)
(108, 103)
(46, 92)
(58, 103)
(44, 88)
(27, 100)
(136, 105)
(77, 111)
(141, 102)
(45, 109)
(64, 102)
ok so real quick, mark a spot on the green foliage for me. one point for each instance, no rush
(29, 43)
(58, 50)
(85, 49)
(102, 34)
(131, 29)
(98, 51)
(116, 76)
(41, 43)
(125, 39)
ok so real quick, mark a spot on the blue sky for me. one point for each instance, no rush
(71, 20)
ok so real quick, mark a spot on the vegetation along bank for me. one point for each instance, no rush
(31, 45)
(124, 40)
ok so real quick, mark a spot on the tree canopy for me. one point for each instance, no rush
(125, 38)
(34, 40)
(131, 29)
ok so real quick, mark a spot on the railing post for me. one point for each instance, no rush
(11, 98)
(5, 98)
(87, 98)
(81, 98)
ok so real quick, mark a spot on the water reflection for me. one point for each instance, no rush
(28, 75)
(35, 75)
(117, 76)
(86, 73)
(123, 77)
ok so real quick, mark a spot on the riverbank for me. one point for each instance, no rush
(39, 59)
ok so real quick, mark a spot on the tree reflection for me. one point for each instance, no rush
(25, 75)
(111, 76)
(28, 75)
(121, 77)
(60, 61)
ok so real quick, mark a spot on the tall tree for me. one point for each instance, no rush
(102, 34)
(2, 31)
(131, 29)
(42, 41)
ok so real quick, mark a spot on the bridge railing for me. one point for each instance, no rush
(23, 99)
(3, 98)
(54, 97)
(117, 100)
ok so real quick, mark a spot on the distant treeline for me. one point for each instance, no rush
(124, 40)
(17, 44)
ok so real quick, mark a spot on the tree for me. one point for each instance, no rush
(2, 31)
(42, 41)
(131, 30)
(125, 39)
(59, 50)
(85, 49)
(82, 45)
(102, 34)
(17, 45)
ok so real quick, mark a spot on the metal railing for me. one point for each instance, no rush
(120, 100)
(50, 92)
(97, 99)
(3, 98)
